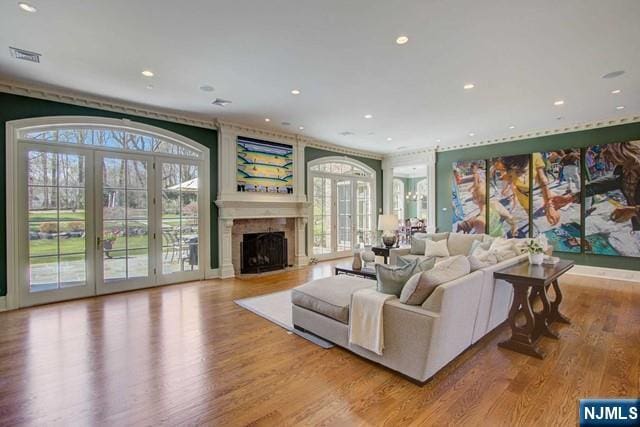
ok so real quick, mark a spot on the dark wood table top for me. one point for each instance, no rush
(364, 272)
(536, 275)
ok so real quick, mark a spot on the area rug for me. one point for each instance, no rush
(276, 308)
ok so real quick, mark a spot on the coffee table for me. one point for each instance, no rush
(366, 273)
(531, 283)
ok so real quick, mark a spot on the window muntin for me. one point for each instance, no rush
(109, 137)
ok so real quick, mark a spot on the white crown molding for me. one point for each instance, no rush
(548, 132)
(69, 97)
(315, 143)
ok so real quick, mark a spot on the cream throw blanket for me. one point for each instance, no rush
(365, 319)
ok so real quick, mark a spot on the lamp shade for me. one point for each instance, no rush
(387, 222)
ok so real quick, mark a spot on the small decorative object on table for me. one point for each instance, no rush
(368, 256)
(536, 252)
(388, 224)
(357, 259)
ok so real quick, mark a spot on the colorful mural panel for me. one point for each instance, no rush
(509, 196)
(469, 196)
(264, 167)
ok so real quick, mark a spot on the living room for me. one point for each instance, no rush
(268, 213)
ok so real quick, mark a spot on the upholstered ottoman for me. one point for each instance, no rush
(330, 296)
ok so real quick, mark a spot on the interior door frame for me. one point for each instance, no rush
(27, 298)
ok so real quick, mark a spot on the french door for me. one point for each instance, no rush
(342, 215)
(98, 222)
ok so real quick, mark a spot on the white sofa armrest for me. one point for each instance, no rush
(394, 253)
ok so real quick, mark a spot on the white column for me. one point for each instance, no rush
(431, 182)
(301, 257)
(299, 171)
(226, 160)
(387, 187)
(225, 248)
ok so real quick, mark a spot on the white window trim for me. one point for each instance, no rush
(401, 200)
(421, 194)
(12, 201)
(371, 178)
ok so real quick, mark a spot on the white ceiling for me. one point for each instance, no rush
(521, 55)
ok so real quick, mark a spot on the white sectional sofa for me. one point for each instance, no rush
(419, 340)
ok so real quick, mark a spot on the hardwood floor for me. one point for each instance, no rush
(186, 354)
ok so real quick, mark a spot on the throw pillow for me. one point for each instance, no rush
(424, 264)
(417, 246)
(520, 245)
(436, 249)
(479, 244)
(391, 279)
(476, 263)
(421, 285)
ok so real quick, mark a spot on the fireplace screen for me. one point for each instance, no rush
(262, 252)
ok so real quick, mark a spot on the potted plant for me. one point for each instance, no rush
(535, 251)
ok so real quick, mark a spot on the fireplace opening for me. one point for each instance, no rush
(261, 252)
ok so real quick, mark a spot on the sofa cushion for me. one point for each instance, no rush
(482, 244)
(460, 243)
(417, 241)
(417, 246)
(329, 296)
(392, 278)
(436, 249)
(421, 285)
(424, 263)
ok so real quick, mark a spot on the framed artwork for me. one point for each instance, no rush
(264, 167)
(612, 199)
(556, 198)
(468, 196)
(509, 196)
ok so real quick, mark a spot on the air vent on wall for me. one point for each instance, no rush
(221, 102)
(24, 54)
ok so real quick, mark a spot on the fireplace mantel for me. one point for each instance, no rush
(254, 206)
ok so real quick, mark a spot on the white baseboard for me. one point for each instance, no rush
(3, 303)
(212, 273)
(606, 273)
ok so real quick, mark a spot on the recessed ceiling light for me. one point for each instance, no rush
(147, 73)
(389, 139)
(301, 127)
(613, 74)
(512, 127)
(295, 92)
(206, 88)
(469, 86)
(438, 140)
(267, 120)
(616, 91)
(559, 102)
(402, 39)
(620, 107)
(472, 134)
(27, 7)
(368, 116)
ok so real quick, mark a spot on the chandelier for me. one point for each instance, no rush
(414, 197)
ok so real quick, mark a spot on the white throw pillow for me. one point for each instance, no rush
(437, 249)
(485, 255)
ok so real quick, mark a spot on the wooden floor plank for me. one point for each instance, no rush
(187, 354)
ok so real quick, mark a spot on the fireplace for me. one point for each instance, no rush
(260, 252)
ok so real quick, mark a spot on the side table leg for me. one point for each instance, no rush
(522, 336)
(542, 317)
(555, 315)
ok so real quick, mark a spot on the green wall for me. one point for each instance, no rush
(545, 143)
(14, 107)
(311, 153)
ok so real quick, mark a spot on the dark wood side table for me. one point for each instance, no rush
(382, 251)
(530, 283)
(366, 273)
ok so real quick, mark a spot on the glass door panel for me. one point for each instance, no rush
(124, 236)
(322, 223)
(180, 219)
(57, 256)
(364, 219)
(344, 189)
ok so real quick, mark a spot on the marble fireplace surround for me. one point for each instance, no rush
(237, 217)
